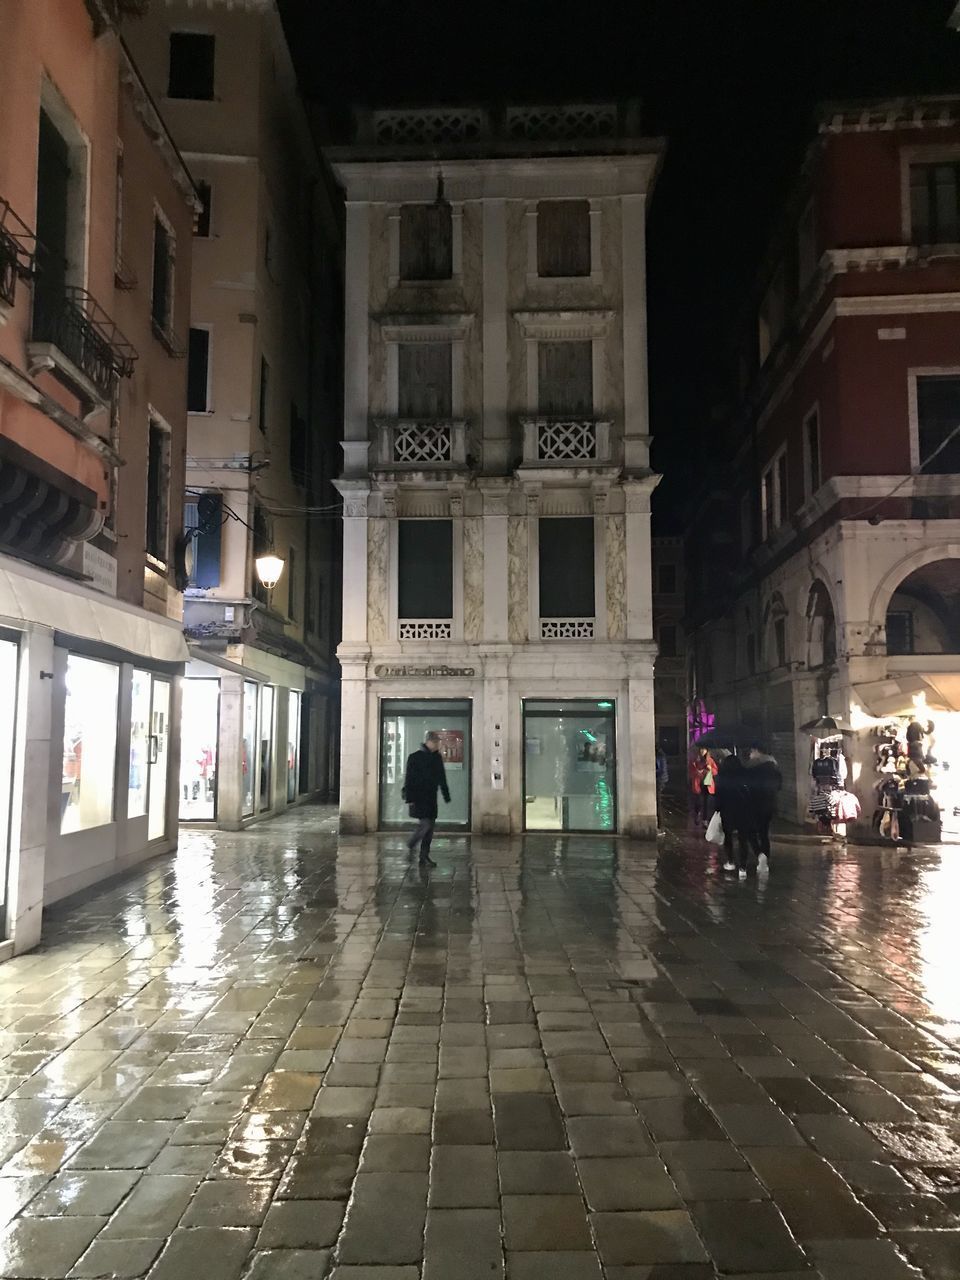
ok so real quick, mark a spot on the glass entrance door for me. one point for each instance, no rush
(570, 772)
(159, 759)
(266, 748)
(199, 734)
(404, 725)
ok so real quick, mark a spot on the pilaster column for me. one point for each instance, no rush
(355, 498)
(496, 442)
(33, 749)
(639, 574)
(496, 609)
(354, 747)
(636, 443)
(356, 322)
(232, 780)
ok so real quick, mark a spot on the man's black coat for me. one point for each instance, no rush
(425, 776)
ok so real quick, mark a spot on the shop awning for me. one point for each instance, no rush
(896, 695)
(30, 595)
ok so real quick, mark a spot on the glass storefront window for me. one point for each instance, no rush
(9, 654)
(570, 774)
(293, 745)
(248, 753)
(404, 725)
(266, 747)
(139, 745)
(89, 744)
(199, 730)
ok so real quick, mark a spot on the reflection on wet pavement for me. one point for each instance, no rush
(284, 1054)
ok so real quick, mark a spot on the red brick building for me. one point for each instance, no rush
(824, 565)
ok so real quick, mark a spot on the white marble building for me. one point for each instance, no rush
(496, 386)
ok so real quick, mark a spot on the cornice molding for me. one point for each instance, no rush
(546, 325)
(428, 327)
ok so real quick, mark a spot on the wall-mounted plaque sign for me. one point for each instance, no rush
(421, 673)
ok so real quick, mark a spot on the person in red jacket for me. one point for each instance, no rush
(702, 772)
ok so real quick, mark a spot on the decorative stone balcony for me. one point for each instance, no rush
(425, 629)
(419, 444)
(565, 442)
(567, 628)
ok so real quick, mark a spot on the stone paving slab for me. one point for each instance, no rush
(280, 1055)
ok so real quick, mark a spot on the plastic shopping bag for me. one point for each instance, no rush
(714, 832)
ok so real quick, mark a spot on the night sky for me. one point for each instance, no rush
(731, 84)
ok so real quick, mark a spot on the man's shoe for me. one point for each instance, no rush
(763, 863)
(426, 860)
(729, 866)
(742, 873)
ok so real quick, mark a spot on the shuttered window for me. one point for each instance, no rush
(198, 371)
(426, 242)
(566, 379)
(566, 567)
(425, 569)
(563, 238)
(425, 371)
(938, 416)
(935, 203)
(203, 517)
(161, 306)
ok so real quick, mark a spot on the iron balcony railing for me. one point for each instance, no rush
(71, 320)
(18, 247)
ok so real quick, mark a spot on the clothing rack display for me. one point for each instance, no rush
(831, 805)
(905, 764)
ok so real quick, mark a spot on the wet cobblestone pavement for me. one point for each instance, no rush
(287, 1056)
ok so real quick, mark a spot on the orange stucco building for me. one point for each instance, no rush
(96, 223)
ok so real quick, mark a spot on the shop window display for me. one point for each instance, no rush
(266, 747)
(198, 750)
(293, 745)
(569, 766)
(89, 744)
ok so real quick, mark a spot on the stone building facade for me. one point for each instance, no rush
(824, 565)
(496, 481)
(265, 342)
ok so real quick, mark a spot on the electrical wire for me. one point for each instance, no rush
(861, 515)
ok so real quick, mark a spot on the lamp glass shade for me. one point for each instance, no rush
(269, 569)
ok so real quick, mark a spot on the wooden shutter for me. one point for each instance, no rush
(425, 380)
(567, 567)
(566, 379)
(425, 569)
(426, 242)
(563, 238)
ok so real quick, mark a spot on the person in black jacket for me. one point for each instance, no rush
(425, 776)
(764, 780)
(735, 804)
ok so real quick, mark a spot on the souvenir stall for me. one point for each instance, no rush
(832, 806)
(916, 794)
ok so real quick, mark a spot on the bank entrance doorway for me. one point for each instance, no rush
(569, 765)
(404, 723)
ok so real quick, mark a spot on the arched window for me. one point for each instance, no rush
(821, 627)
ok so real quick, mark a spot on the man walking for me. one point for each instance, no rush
(425, 776)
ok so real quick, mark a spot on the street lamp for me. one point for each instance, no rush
(269, 569)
